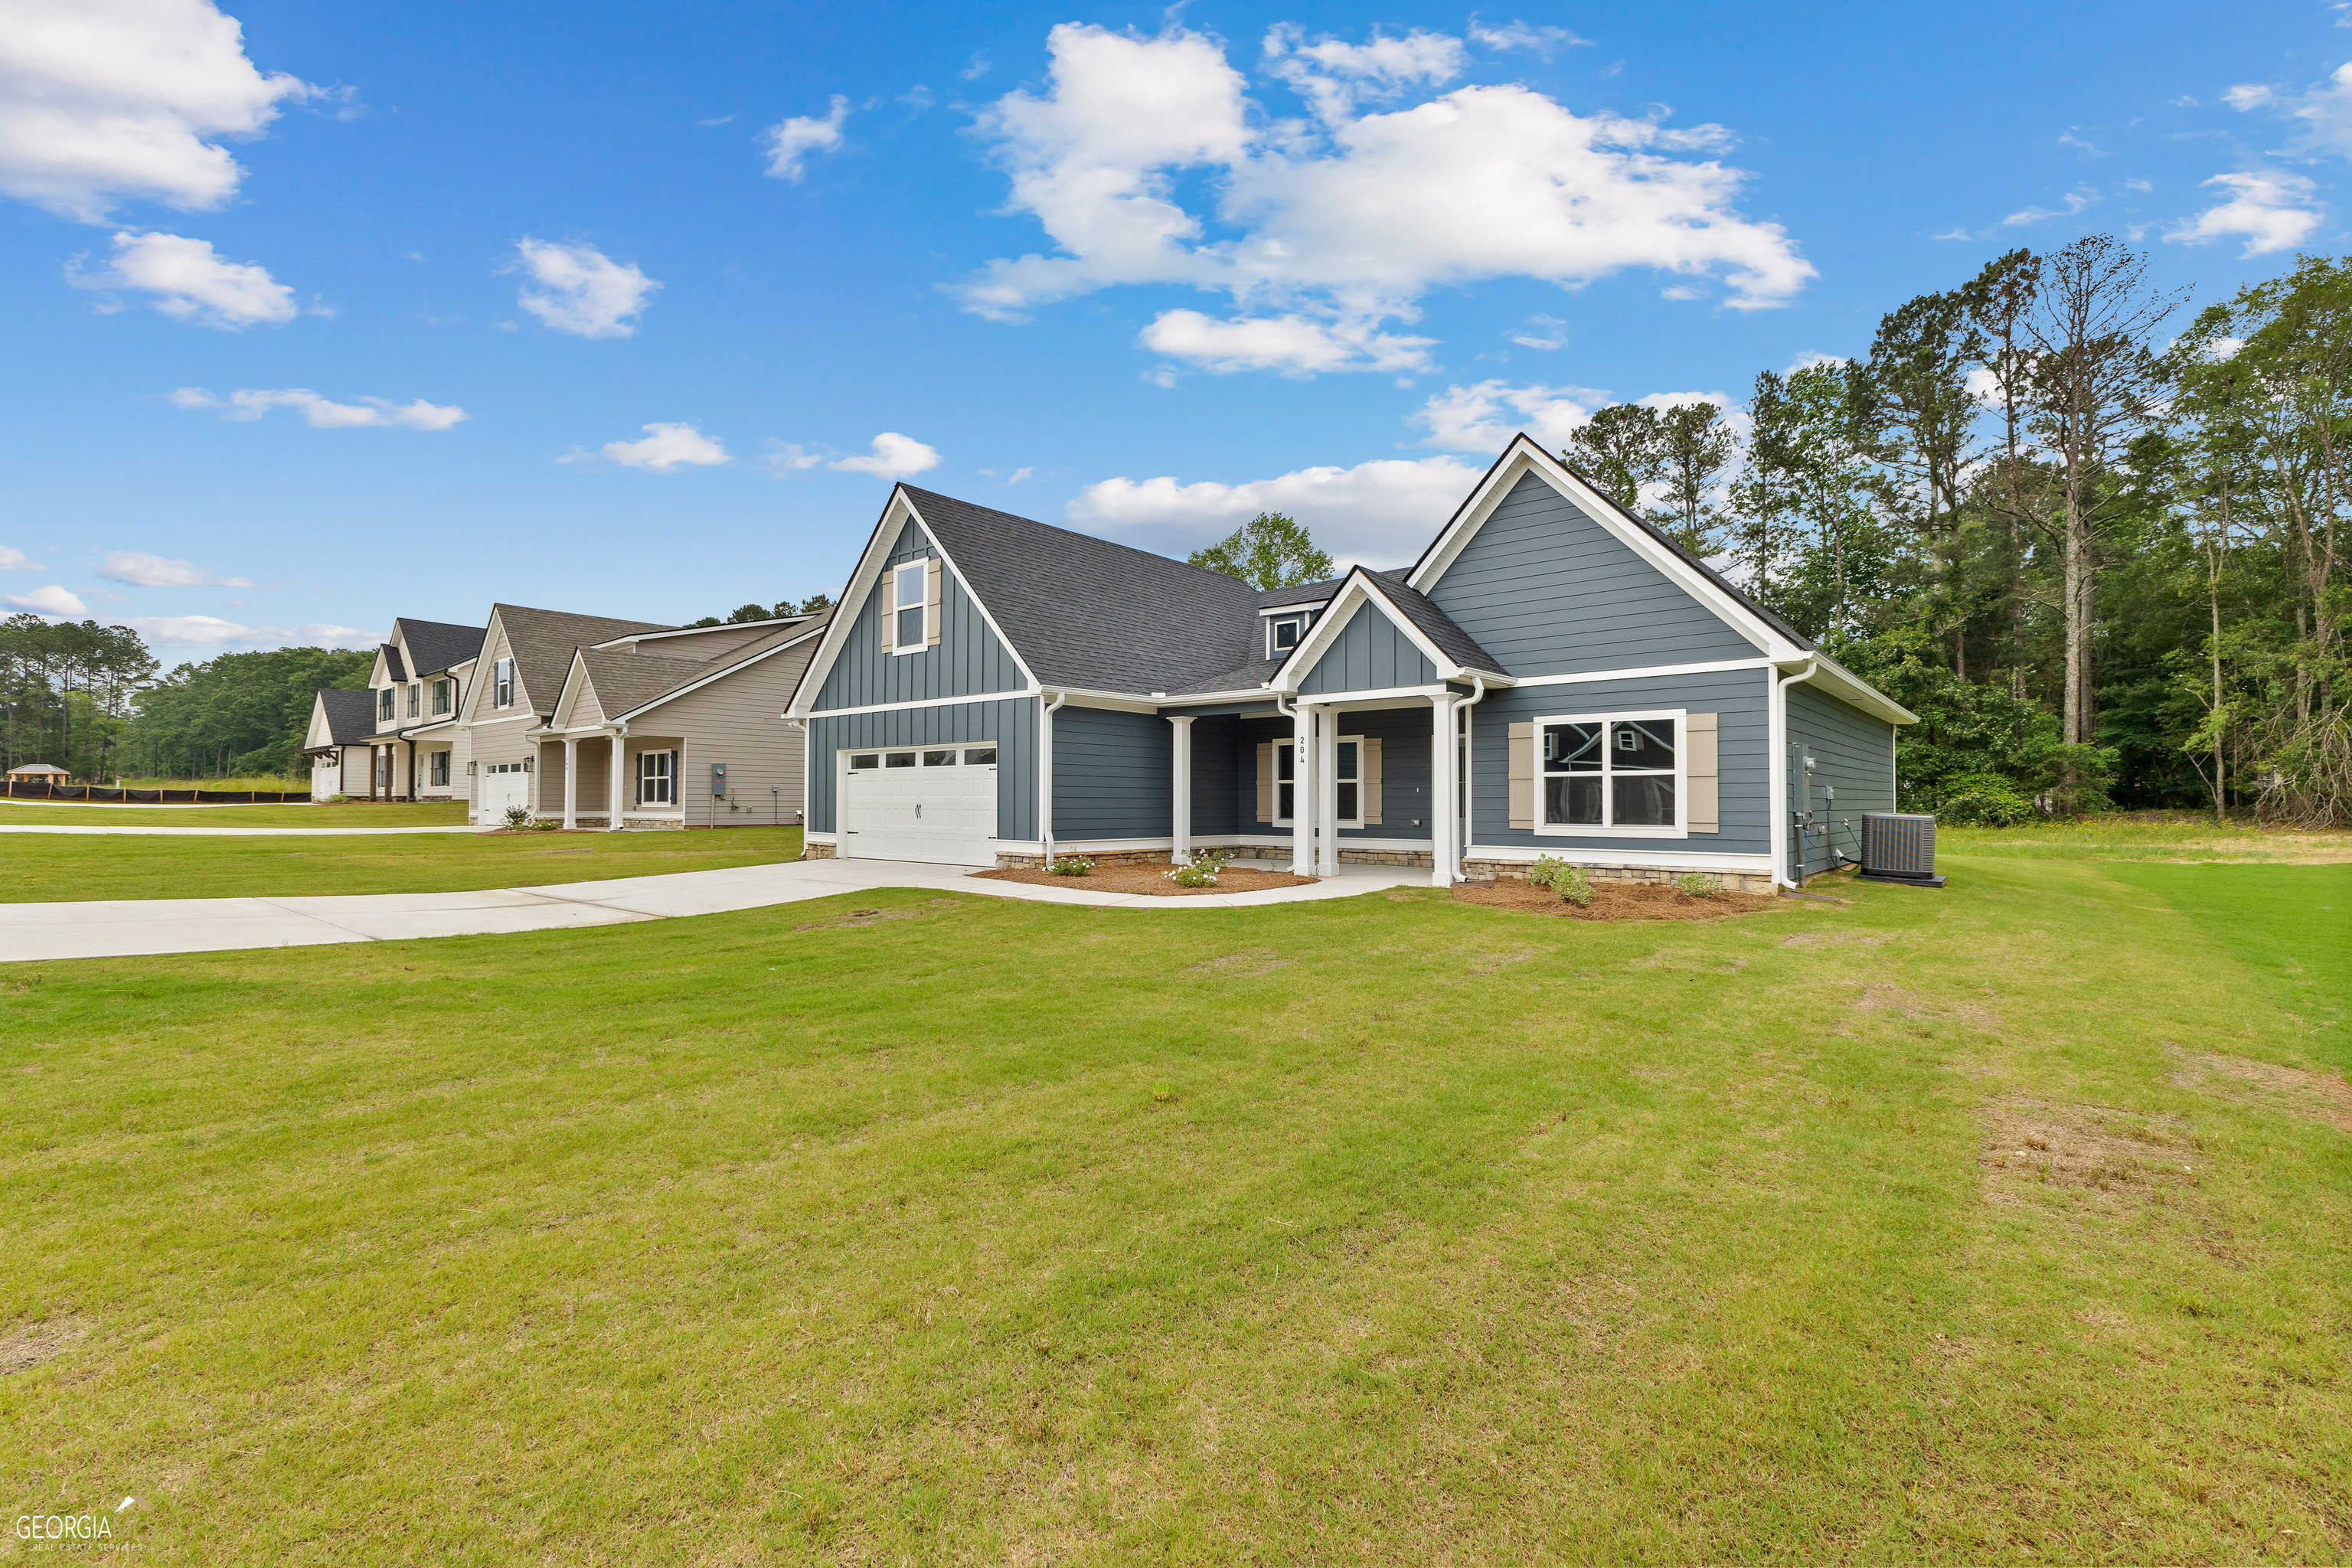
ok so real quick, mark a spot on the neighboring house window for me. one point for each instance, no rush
(384, 702)
(441, 769)
(911, 583)
(502, 684)
(415, 700)
(657, 778)
(1610, 771)
(441, 695)
(1283, 635)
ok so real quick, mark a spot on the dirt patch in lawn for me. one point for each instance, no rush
(34, 1343)
(2093, 1153)
(1148, 877)
(1255, 961)
(1611, 901)
(2298, 1091)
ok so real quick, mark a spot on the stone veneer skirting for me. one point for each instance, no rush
(816, 851)
(601, 819)
(1517, 870)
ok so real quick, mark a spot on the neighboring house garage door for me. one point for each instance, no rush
(934, 803)
(500, 786)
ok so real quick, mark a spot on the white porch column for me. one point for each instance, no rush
(614, 782)
(1302, 791)
(1327, 792)
(571, 782)
(1180, 810)
(1442, 848)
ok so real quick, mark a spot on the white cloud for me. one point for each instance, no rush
(2077, 199)
(1381, 514)
(16, 561)
(790, 143)
(664, 449)
(1540, 333)
(376, 412)
(1544, 41)
(141, 570)
(2320, 117)
(2272, 210)
(893, 457)
(581, 290)
(52, 600)
(105, 100)
(2248, 95)
(1350, 220)
(1293, 344)
(1483, 418)
(190, 282)
(211, 631)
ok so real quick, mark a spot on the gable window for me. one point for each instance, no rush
(1282, 634)
(1611, 770)
(441, 695)
(909, 585)
(441, 769)
(416, 698)
(385, 705)
(657, 778)
(502, 684)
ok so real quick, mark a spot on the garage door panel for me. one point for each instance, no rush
(941, 812)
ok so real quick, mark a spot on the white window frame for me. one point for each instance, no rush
(416, 698)
(1274, 644)
(1357, 742)
(502, 684)
(919, 572)
(1285, 749)
(666, 777)
(437, 769)
(1607, 828)
(387, 703)
(443, 698)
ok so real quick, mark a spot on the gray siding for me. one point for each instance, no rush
(1370, 654)
(1740, 700)
(1010, 724)
(969, 660)
(1548, 591)
(738, 719)
(1113, 774)
(1403, 734)
(1853, 753)
(1220, 766)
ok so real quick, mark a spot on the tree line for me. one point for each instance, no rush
(2093, 540)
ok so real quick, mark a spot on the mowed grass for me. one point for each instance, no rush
(2005, 1221)
(47, 867)
(2150, 836)
(342, 814)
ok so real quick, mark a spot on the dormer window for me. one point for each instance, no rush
(1282, 634)
(384, 699)
(908, 586)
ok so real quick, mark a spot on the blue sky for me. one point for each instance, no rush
(637, 310)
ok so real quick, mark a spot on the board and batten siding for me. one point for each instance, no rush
(1371, 653)
(1739, 698)
(738, 719)
(968, 659)
(1548, 591)
(1010, 725)
(1852, 753)
(1114, 774)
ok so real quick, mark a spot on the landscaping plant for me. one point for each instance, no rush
(1696, 885)
(1202, 872)
(1568, 881)
(518, 817)
(1071, 866)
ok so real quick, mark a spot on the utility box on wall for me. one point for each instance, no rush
(719, 781)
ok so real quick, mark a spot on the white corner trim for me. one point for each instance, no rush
(1627, 859)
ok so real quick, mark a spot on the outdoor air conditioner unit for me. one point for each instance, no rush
(1899, 847)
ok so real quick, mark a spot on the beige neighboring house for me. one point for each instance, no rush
(418, 685)
(340, 742)
(525, 655)
(694, 716)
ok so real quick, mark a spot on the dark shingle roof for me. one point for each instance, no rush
(351, 716)
(627, 681)
(1435, 623)
(434, 645)
(543, 640)
(392, 667)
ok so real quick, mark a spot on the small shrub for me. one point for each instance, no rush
(1070, 866)
(1568, 881)
(1985, 800)
(518, 817)
(546, 824)
(1696, 885)
(1203, 870)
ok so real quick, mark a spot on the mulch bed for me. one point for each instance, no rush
(1148, 877)
(1612, 901)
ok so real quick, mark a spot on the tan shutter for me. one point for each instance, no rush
(1370, 784)
(1699, 770)
(1266, 780)
(1523, 774)
(932, 603)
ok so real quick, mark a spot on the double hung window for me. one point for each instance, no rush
(1286, 780)
(910, 586)
(1611, 772)
(441, 768)
(502, 684)
(415, 700)
(385, 704)
(657, 778)
(441, 690)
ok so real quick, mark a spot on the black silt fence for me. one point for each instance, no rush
(26, 789)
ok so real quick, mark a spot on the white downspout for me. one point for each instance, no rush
(1458, 783)
(1777, 728)
(1046, 771)
(1302, 820)
(808, 780)
(614, 787)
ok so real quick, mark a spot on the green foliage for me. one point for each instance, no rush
(67, 692)
(1205, 867)
(1270, 551)
(809, 605)
(1696, 885)
(238, 713)
(1984, 800)
(1071, 866)
(1568, 881)
(518, 817)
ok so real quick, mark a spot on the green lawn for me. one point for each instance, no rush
(1991, 1224)
(2153, 836)
(46, 868)
(351, 814)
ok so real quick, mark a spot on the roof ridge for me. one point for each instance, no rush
(1095, 539)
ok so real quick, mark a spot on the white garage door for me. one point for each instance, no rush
(498, 787)
(928, 803)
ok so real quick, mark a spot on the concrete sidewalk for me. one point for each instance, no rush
(228, 832)
(131, 928)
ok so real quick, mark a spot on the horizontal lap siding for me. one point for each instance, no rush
(1370, 654)
(1011, 725)
(1403, 734)
(1853, 753)
(1113, 774)
(1548, 591)
(1740, 700)
(969, 660)
(1223, 766)
(738, 719)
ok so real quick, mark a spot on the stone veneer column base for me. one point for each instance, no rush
(816, 852)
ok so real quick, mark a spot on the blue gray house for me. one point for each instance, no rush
(1552, 676)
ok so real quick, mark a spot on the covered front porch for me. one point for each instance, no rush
(611, 780)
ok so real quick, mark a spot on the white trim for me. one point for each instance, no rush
(510, 718)
(1646, 672)
(926, 702)
(808, 838)
(1340, 616)
(1339, 823)
(1180, 786)
(1389, 697)
(1524, 455)
(696, 685)
(1680, 829)
(921, 566)
(1303, 606)
(1632, 860)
